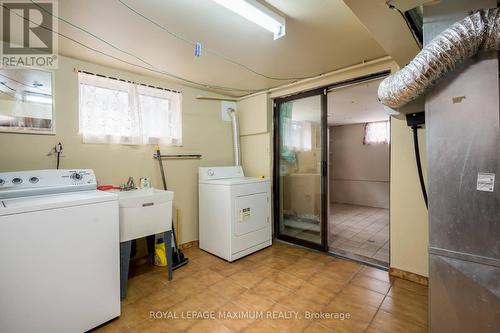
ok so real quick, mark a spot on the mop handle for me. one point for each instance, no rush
(164, 179)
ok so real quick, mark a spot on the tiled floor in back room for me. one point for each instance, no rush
(275, 282)
(360, 231)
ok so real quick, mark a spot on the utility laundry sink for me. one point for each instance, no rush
(144, 212)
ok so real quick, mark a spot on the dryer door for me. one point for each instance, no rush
(252, 213)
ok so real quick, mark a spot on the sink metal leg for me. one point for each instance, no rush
(125, 248)
(150, 241)
(168, 250)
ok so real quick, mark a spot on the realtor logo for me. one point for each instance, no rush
(28, 37)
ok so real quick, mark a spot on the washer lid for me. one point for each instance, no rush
(235, 181)
(53, 201)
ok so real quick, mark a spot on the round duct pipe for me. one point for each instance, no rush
(462, 40)
(236, 136)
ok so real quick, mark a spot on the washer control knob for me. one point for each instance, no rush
(76, 176)
(34, 180)
(210, 172)
(17, 181)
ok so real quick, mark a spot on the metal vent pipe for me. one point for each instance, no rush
(477, 32)
(236, 136)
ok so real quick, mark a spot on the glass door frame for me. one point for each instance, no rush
(324, 207)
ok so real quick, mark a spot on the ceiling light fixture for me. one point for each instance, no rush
(258, 14)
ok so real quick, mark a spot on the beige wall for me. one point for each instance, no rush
(255, 132)
(409, 223)
(359, 174)
(206, 133)
(409, 220)
(203, 132)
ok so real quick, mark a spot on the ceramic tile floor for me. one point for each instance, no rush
(276, 281)
(360, 230)
(306, 230)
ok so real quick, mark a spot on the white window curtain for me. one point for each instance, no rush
(113, 111)
(377, 133)
(297, 135)
(161, 116)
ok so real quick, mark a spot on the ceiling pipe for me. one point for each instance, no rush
(213, 98)
(477, 32)
(362, 64)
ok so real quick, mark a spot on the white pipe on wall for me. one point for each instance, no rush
(236, 136)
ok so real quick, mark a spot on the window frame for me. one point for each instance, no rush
(134, 91)
(387, 139)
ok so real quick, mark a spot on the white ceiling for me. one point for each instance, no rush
(355, 104)
(321, 35)
(387, 26)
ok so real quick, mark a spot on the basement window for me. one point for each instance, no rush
(377, 133)
(122, 112)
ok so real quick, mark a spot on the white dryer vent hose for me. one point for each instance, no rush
(236, 136)
(477, 32)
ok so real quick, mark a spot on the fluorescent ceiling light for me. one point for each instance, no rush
(38, 98)
(258, 14)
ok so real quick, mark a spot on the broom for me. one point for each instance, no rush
(178, 258)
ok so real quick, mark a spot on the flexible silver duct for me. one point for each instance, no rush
(479, 31)
(236, 136)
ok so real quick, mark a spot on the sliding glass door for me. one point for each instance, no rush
(300, 170)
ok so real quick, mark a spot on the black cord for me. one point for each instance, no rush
(5, 85)
(58, 148)
(407, 23)
(215, 53)
(419, 163)
(134, 64)
(24, 84)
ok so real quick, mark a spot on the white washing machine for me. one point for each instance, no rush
(59, 252)
(234, 212)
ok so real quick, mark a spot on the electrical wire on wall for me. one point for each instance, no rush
(416, 121)
(58, 149)
(419, 163)
(171, 75)
(149, 66)
(147, 63)
(91, 34)
(8, 87)
(207, 50)
(24, 83)
(391, 6)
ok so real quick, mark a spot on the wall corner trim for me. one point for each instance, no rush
(413, 277)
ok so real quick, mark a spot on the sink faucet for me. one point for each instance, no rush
(130, 184)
